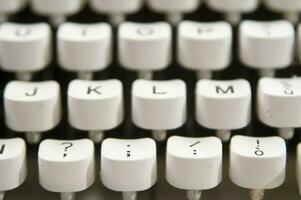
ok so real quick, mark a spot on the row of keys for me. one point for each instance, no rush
(174, 9)
(158, 106)
(147, 47)
(130, 166)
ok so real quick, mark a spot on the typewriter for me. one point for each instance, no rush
(150, 99)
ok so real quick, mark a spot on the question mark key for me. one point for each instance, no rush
(66, 166)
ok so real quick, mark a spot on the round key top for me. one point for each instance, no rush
(9, 7)
(233, 8)
(57, 10)
(257, 163)
(84, 48)
(95, 106)
(116, 9)
(32, 107)
(204, 47)
(290, 8)
(194, 164)
(174, 8)
(144, 47)
(223, 105)
(25, 48)
(13, 167)
(159, 105)
(266, 46)
(279, 104)
(66, 166)
(128, 166)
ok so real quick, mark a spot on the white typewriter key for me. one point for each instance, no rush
(9, 7)
(266, 46)
(85, 48)
(129, 166)
(299, 167)
(223, 105)
(144, 47)
(13, 170)
(95, 106)
(233, 8)
(279, 104)
(290, 8)
(194, 164)
(66, 166)
(57, 10)
(257, 164)
(159, 106)
(32, 108)
(174, 8)
(116, 9)
(204, 47)
(25, 49)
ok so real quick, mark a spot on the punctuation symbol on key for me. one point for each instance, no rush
(128, 152)
(2, 149)
(84, 32)
(33, 93)
(145, 31)
(258, 151)
(67, 146)
(194, 144)
(22, 32)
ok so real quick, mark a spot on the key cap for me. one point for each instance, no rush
(57, 10)
(266, 46)
(233, 8)
(174, 9)
(32, 107)
(66, 166)
(298, 171)
(116, 9)
(9, 7)
(25, 49)
(194, 164)
(279, 104)
(13, 170)
(159, 106)
(223, 105)
(129, 166)
(290, 8)
(95, 106)
(204, 47)
(257, 163)
(144, 47)
(85, 48)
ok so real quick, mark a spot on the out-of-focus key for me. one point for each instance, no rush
(266, 46)
(290, 8)
(32, 108)
(13, 167)
(95, 106)
(257, 163)
(10, 7)
(223, 105)
(129, 166)
(66, 166)
(25, 48)
(116, 9)
(174, 9)
(204, 47)
(145, 47)
(194, 164)
(159, 106)
(85, 48)
(57, 10)
(233, 8)
(279, 104)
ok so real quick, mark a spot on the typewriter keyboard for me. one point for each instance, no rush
(150, 99)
